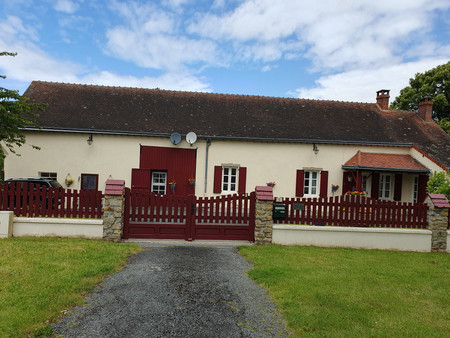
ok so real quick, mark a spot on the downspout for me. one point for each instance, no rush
(208, 143)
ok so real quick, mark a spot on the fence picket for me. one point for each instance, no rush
(34, 200)
(354, 210)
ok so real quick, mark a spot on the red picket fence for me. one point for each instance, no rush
(354, 211)
(229, 217)
(30, 200)
(231, 209)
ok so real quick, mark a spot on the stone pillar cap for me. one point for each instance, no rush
(114, 187)
(439, 200)
(264, 193)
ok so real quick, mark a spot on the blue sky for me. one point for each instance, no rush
(317, 49)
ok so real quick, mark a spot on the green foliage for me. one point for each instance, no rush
(445, 124)
(336, 292)
(15, 115)
(439, 184)
(40, 277)
(433, 83)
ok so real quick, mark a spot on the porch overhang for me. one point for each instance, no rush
(390, 169)
(385, 162)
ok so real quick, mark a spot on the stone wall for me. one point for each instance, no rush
(263, 222)
(437, 216)
(113, 209)
(437, 223)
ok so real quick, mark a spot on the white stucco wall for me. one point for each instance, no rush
(113, 156)
(57, 227)
(353, 237)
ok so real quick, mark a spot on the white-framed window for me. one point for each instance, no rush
(385, 189)
(229, 180)
(159, 182)
(52, 176)
(311, 188)
(416, 189)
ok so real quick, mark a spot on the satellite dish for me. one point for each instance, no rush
(191, 137)
(175, 138)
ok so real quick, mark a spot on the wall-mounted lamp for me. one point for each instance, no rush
(90, 140)
(315, 149)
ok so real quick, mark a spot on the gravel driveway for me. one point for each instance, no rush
(177, 291)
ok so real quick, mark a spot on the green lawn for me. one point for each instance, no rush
(40, 277)
(337, 292)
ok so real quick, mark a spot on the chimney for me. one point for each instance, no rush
(426, 109)
(383, 99)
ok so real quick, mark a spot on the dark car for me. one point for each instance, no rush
(43, 182)
(46, 182)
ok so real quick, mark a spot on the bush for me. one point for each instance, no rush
(439, 183)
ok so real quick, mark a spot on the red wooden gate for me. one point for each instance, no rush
(229, 217)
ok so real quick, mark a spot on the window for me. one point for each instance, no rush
(159, 182)
(89, 182)
(311, 183)
(416, 189)
(229, 179)
(385, 189)
(52, 176)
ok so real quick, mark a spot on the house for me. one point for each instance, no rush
(307, 148)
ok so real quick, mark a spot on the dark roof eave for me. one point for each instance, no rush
(215, 137)
(357, 167)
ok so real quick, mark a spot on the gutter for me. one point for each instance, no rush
(224, 138)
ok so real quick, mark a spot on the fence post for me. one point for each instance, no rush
(263, 215)
(6, 224)
(113, 210)
(437, 216)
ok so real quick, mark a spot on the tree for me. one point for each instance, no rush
(439, 184)
(445, 124)
(434, 83)
(15, 115)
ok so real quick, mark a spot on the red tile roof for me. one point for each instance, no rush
(121, 110)
(381, 161)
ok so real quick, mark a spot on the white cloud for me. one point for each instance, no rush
(362, 84)
(158, 51)
(150, 38)
(13, 29)
(32, 63)
(66, 6)
(172, 81)
(345, 35)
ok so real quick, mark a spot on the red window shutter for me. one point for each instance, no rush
(398, 187)
(375, 185)
(324, 184)
(422, 188)
(140, 180)
(242, 180)
(217, 188)
(300, 184)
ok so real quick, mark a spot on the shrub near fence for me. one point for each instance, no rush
(354, 211)
(30, 200)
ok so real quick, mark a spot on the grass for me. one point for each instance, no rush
(337, 292)
(40, 277)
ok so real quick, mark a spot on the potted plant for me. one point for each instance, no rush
(69, 180)
(172, 185)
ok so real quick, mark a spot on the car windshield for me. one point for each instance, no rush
(55, 184)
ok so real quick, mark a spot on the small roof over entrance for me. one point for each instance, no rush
(384, 162)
